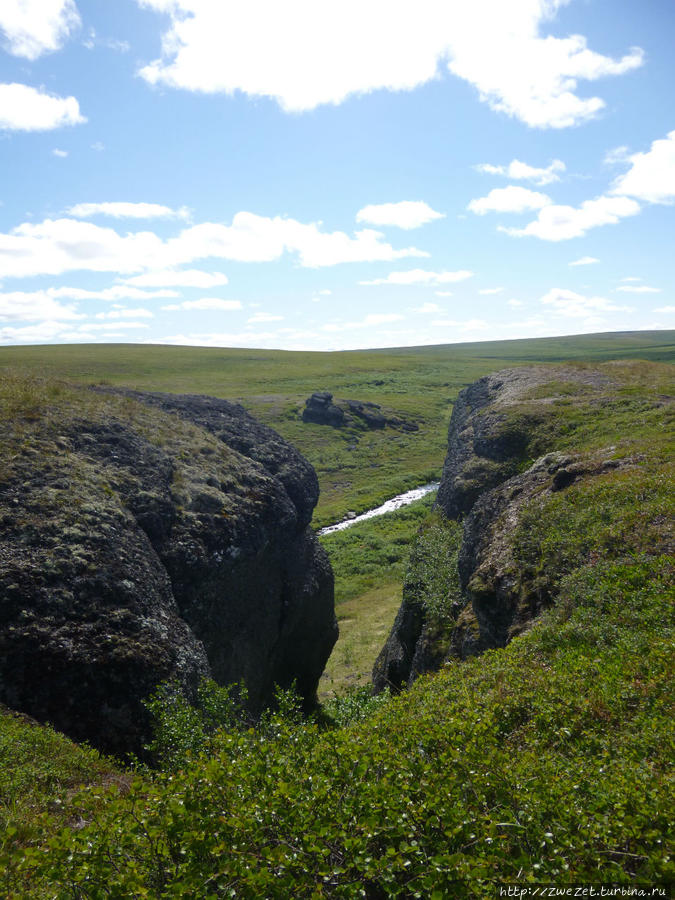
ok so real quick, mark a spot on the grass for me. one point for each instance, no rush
(369, 560)
(41, 769)
(549, 761)
(364, 623)
(357, 470)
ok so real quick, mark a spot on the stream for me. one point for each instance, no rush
(387, 507)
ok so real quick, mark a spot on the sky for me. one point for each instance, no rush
(320, 175)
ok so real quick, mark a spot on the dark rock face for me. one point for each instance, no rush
(320, 409)
(488, 442)
(167, 540)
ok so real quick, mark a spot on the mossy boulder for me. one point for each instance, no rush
(146, 537)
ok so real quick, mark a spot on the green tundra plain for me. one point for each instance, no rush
(547, 761)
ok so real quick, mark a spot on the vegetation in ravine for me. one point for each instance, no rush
(547, 761)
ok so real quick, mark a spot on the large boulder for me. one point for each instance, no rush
(320, 410)
(145, 537)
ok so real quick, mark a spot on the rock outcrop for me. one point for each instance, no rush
(146, 537)
(321, 409)
(498, 425)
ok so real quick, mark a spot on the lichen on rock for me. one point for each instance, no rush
(145, 537)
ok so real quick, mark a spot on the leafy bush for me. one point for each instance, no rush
(432, 578)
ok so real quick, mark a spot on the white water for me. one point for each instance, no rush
(389, 506)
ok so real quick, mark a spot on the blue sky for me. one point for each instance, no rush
(321, 175)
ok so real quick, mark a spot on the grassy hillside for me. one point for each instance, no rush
(357, 469)
(548, 761)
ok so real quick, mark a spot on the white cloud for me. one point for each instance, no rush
(60, 153)
(560, 223)
(443, 293)
(209, 303)
(630, 278)
(122, 210)
(572, 305)
(179, 278)
(34, 27)
(263, 317)
(618, 155)
(406, 214)
(139, 313)
(638, 289)
(515, 303)
(34, 306)
(298, 58)
(496, 290)
(421, 276)
(584, 261)
(521, 171)
(651, 176)
(55, 246)
(253, 238)
(24, 108)
(325, 292)
(665, 309)
(33, 334)
(509, 199)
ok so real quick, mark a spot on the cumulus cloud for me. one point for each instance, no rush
(521, 171)
(560, 223)
(61, 245)
(25, 108)
(584, 261)
(651, 176)
(406, 214)
(33, 27)
(496, 290)
(572, 305)
(122, 210)
(207, 303)
(665, 309)
(178, 278)
(298, 58)
(253, 238)
(421, 276)
(60, 153)
(509, 199)
(34, 306)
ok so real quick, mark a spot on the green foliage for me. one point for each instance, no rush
(355, 705)
(41, 769)
(432, 579)
(549, 761)
(181, 729)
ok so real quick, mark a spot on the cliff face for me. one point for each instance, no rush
(146, 537)
(489, 481)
